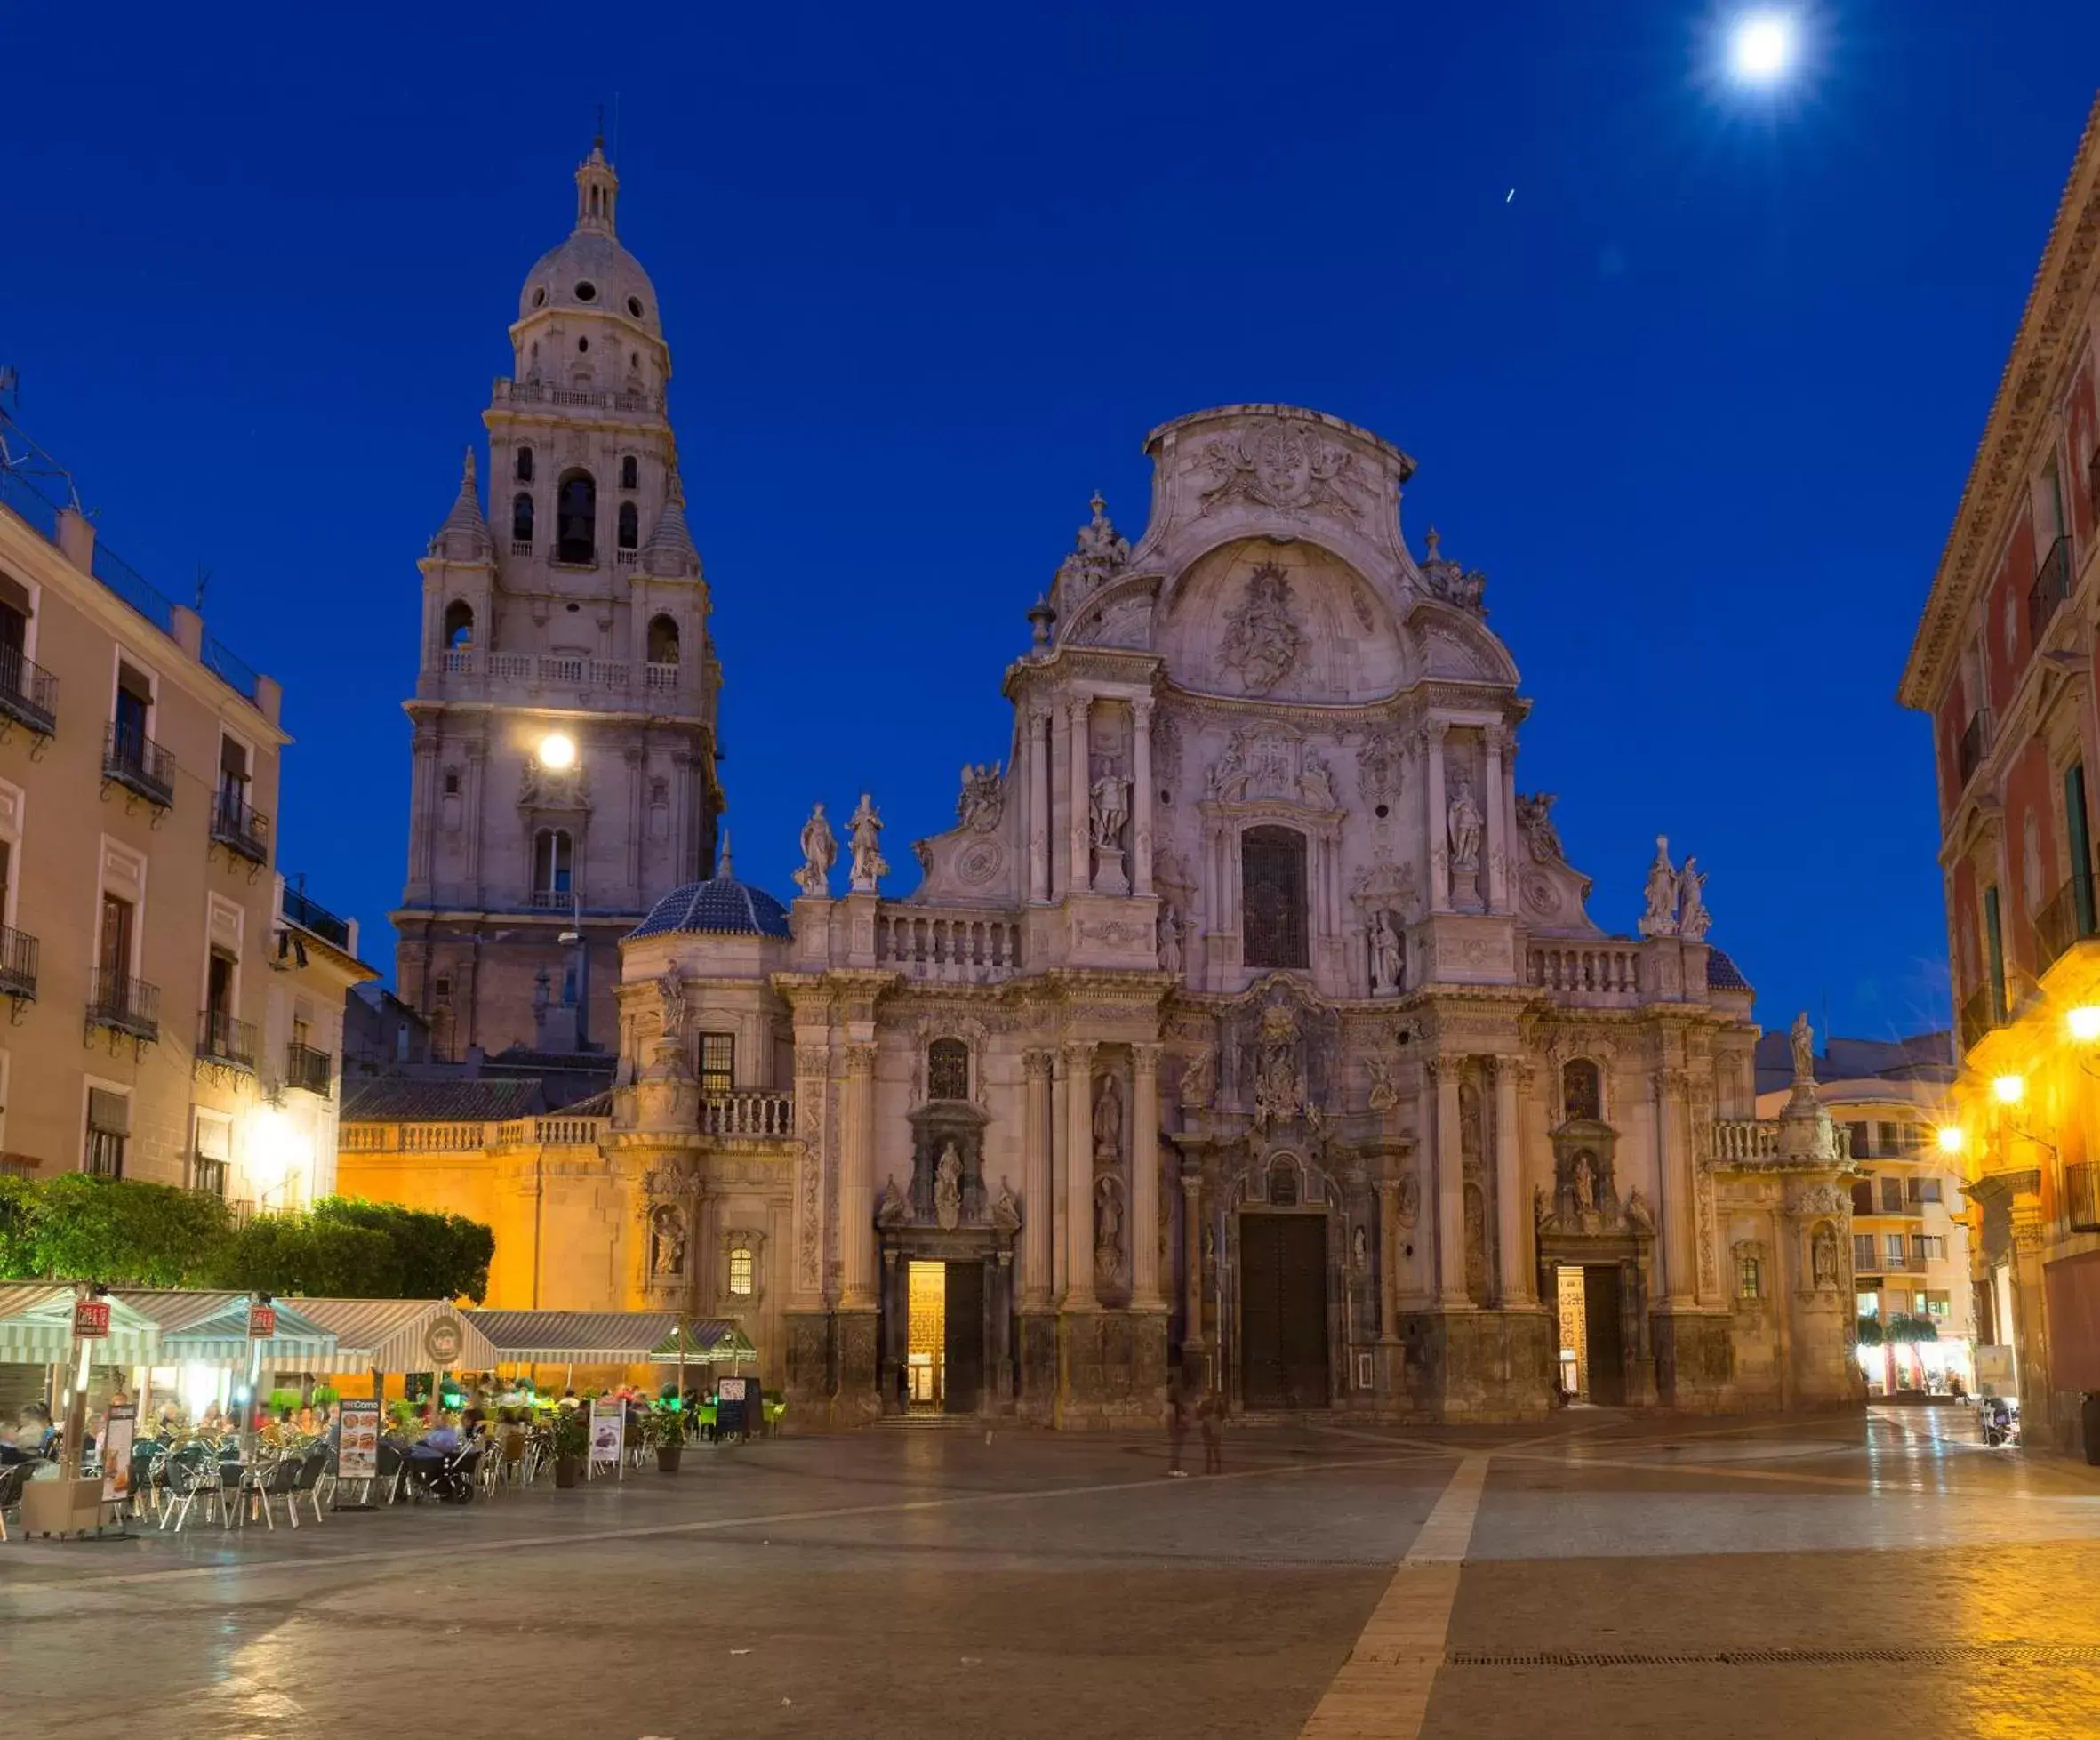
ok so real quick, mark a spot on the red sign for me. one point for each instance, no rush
(262, 1322)
(91, 1318)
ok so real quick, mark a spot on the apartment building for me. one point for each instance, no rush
(173, 1011)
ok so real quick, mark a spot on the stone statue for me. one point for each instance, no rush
(1535, 821)
(1280, 1083)
(947, 1188)
(1384, 1096)
(820, 852)
(1385, 956)
(1359, 1246)
(1462, 822)
(666, 1241)
(1693, 920)
(865, 830)
(1824, 1259)
(1585, 1185)
(1660, 919)
(1638, 1215)
(1006, 1210)
(1409, 1200)
(1108, 1231)
(1803, 1038)
(1316, 783)
(1170, 938)
(892, 1209)
(1109, 811)
(1229, 774)
(671, 995)
(1262, 641)
(1198, 1084)
(983, 798)
(1108, 1119)
(1541, 1207)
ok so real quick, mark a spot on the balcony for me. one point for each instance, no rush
(946, 946)
(2067, 918)
(2051, 588)
(134, 760)
(239, 827)
(310, 1070)
(553, 900)
(2082, 1196)
(1974, 744)
(1979, 1015)
(208, 1177)
(18, 964)
(539, 392)
(223, 1039)
(124, 1005)
(28, 694)
(747, 1114)
(1604, 973)
(310, 915)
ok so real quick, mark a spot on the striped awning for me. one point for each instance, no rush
(223, 1336)
(36, 1328)
(709, 1341)
(575, 1337)
(398, 1336)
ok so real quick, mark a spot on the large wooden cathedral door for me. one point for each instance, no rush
(1283, 1311)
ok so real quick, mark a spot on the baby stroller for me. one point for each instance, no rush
(445, 1475)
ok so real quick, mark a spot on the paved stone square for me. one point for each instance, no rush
(1606, 1575)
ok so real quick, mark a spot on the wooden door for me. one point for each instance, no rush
(1600, 1325)
(963, 1339)
(1283, 1311)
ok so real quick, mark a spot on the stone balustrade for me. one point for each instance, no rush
(540, 392)
(1585, 969)
(947, 946)
(451, 1138)
(751, 1113)
(468, 669)
(1746, 1141)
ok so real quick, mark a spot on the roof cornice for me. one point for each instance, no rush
(2048, 328)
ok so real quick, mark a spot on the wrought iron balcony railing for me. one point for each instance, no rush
(2067, 918)
(310, 1070)
(1976, 742)
(208, 1177)
(2082, 1196)
(2051, 588)
(1979, 1015)
(310, 915)
(239, 826)
(134, 761)
(28, 694)
(124, 1005)
(224, 1039)
(18, 964)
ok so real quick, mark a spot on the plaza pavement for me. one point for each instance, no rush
(1604, 1575)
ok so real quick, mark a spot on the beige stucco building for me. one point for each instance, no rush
(174, 1010)
(1250, 1019)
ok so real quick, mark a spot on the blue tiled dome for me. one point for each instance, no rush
(721, 906)
(1722, 973)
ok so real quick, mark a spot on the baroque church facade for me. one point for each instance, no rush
(1248, 1024)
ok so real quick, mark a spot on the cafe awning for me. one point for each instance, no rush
(398, 1336)
(211, 1328)
(575, 1337)
(709, 1341)
(36, 1328)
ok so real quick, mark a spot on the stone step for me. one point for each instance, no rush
(928, 1422)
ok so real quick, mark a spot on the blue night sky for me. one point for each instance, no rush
(1699, 398)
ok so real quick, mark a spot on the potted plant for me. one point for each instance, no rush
(570, 1427)
(664, 1430)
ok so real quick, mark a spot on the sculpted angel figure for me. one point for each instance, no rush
(820, 852)
(865, 830)
(1660, 919)
(1693, 920)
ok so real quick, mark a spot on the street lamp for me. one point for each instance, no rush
(1952, 1138)
(2008, 1090)
(556, 752)
(2083, 1024)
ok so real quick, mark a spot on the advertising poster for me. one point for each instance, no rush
(608, 1427)
(120, 1426)
(357, 1449)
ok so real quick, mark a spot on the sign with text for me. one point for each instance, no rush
(443, 1340)
(356, 1452)
(91, 1318)
(120, 1426)
(608, 1428)
(262, 1322)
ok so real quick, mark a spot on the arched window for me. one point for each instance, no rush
(1582, 1092)
(576, 518)
(458, 624)
(947, 1070)
(740, 1267)
(1272, 889)
(663, 640)
(525, 465)
(552, 862)
(521, 519)
(630, 526)
(630, 473)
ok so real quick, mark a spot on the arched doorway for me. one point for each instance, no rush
(1283, 1290)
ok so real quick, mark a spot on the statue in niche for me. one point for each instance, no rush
(1469, 1124)
(1261, 642)
(947, 1188)
(1660, 919)
(1638, 1215)
(1170, 938)
(1197, 1083)
(1823, 1247)
(1315, 783)
(983, 798)
(820, 852)
(1359, 1248)
(892, 1210)
(1463, 822)
(1386, 959)
(1110, 810)
(1006, 1210)
(1383, 1095)
(1229, 775)
(864, 828)
(666, 1241)
(1280, 1083)
(1693, 920)
(1108, 1119)
(1108, 1232)
(670, 996)
(1584, 1176)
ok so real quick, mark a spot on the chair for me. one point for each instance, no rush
(12, 1479)
(278, 1480)
(190, 1473)
(313, 1468)
(393, 1466)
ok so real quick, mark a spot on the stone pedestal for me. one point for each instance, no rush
(853, 1341)
(1693, 1362)
(809, 1337)
(1111, 1368)
(1477, 1364)
(830, 1368)
(1039, 1367)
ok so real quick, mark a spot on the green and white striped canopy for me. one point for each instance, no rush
(36, 1328)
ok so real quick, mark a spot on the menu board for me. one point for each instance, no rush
(357, 1456)
(120, 1426)
(608, 1428)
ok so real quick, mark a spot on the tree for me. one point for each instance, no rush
(302, 1254)
(87, 1229)
(441, 1256)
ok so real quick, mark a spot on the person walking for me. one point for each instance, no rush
(1177, 1429)
(1212, 1414)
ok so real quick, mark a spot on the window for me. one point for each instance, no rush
(1925, 1189)
(947, 1070)
(1938, 1304)
(717, 1065)
(629, 535)
(114, 954)
(232, 775)
(1581, 1091)
(551, 853)
(1862, 1139)
(1889, 1138)
(452, 781)
(1863, 1196)
(1272, 889)
(219, 989)
(739, 1270)
(14, 634)
(663, 640)
(1929, 1246)
(576, 518)
(1749, 1278)
(108, 1127)
(521, 519)
(459, 619)
(1862, 1250)
(2076, 830)
(441, 986)
(525, 465)
(1909, 1138)
(631, 472)
(134, 712)
(212, 1159)
(1892, 1196)
(1283, 1183)
(1994, 936)
(1892, 1249)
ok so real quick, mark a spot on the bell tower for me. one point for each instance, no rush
(565, 711)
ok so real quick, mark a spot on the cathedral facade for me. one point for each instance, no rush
(1249, 1025)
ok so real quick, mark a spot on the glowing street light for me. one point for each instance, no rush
(2083, 1024)
(556, 752)
(1761, 47)
(1952, 1138)
(2008, 1090)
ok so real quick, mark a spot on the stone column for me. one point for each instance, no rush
(1057, 1205)
(1079, 1176)
(1440, 844)
(1037, 1267)
(1144, 1181)
(636, 826)
(477, 768)
(1192, 1260)
(1389, 1258)
(1080, 777)
(856, 1182)
(1673, 1170)
(1493, 801)
(1450, 1188)
(1513, 1240)
(1038, 804)
(2030, 1325)
(1141, 799)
